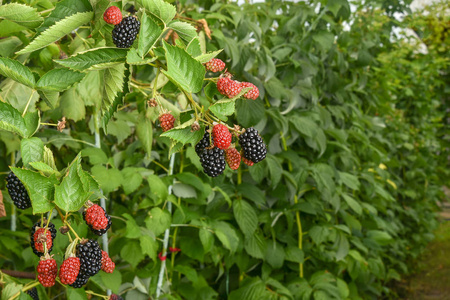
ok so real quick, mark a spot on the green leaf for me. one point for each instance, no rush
(57, 31)
(381, 237)
(304, 125)
(275, 169)
(158, 220)
(353, 204)
(325, 39)
(96, 155)
(64, 9)
(204, 58)
(21, 14)
(251, 289)
(48, 158)
(70, 195)
(133, 58)
(183, 70)
(185, 31)
(72, 106)
(184, 136)
(132, 230)
(132, 252)
(148, 35)
(109, 179)
(246, 217)
(275, 254)
(16, 71)
(32, 123)
(144, 130)
(183, 190)
(113, 83)
(159, 8)
(134, 179)
(349, 180)
(40, 189)
(223, 108)
(157, 187)
(294, 254)
(112, 280)
(76, 294)
(92, 57)
(44, 168)
(194, 48)
(227, 235)
(32, 150)
(59, 80)
(249, 112)
(10, 290)
(256, 245)
(11, 119)
(149, 246)
(207, 239)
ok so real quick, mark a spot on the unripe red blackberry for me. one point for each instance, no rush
(36, 246)
(253, 147)
(17, 192)
(112, 15)
(205, 142)
(90, 256)
(166, 120)
(107, 264)
(124, 33)
(228, 87)
(69, 270)
(213, 161)
(253, 93)
(215, 65)
(222, 136)
(97, 219)
(33, 293)
(47, 270)
(247, 162)
(233, 158)
(42, 236)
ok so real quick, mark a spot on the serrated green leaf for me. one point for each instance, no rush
(149, 246)
(134, 179)
(16, 71)
(21, 14)
(157, 187)
(353, 204)
(57, 31)
(184, 135)
(294, 254)
(159, 8)
(183, 70)
(144, 130)
(133, 58)
(223, 108)
(92, 57)
(113, 83)
(158, 220)
(246, 217)
(11, 119)
(227, 235)
(48, 158)
(207, 239)
(40, 189)
(185, 31)
(59, 80)
(112, 280)
(194, 48)
(64, 9)
(256, 245)
(70, 195)
(44, 168)
(32, 150)
(72, 106)
(132, 252)
(204, 58)
(149, 34)
(109, 179)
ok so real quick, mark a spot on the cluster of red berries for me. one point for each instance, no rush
(167, 120)
(96, 218)
(215, 149)
(228, 87)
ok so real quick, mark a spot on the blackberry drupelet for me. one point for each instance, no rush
(99, 231)
(81, 280)
(213, 161)
(252, 145)
(33, 293)
(125, 32)
(90, 256)
(17, 191)
(203, 143)
(51, 228)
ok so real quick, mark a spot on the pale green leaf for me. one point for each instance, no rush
(21, 14)
(16, 71)
(204, 58)
(148, 35)
(185, 31)
(227, 235)
(184, 135)
(113, 83)
(59, 80)
(32, 150)
(183, 70)
(72, 106)
(57, 31)
(223, 108)
(144, 130)
(353, 204)
(92, 57)
(11, 119)
(246, 217)
(109, 179)
(149, 246)
(132, 252)
(158, 220)
(159, 8)
(45, 169)
(133, 58)
(112, 280)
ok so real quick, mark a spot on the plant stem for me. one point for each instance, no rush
(98, 295)
(300, 235)
(24, 289)
(71, 229)
(28, 103)
(166, 235)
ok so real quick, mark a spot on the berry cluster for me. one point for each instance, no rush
(97, 219)
(215, 150)
(17, 191)
(47, 271)
(124, 33)
(40, 234)
(33, 293)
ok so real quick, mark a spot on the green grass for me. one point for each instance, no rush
(432, 281)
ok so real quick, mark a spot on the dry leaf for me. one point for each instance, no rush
(2, 206)
(205, 26)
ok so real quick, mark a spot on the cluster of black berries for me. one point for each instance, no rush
(33, 294)
(212, 160)
(90, 255)
(17, 191)
(124, 33)
(252, 145)
(36, 246)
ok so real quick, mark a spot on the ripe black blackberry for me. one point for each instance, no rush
(252, 145)
(100, 231)
(90, 256)
(213, 161)
(81, 280)
(33, 293)
(51, 228)
(204, 142)
(17, 191)
(125, 32)
(115, 297)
